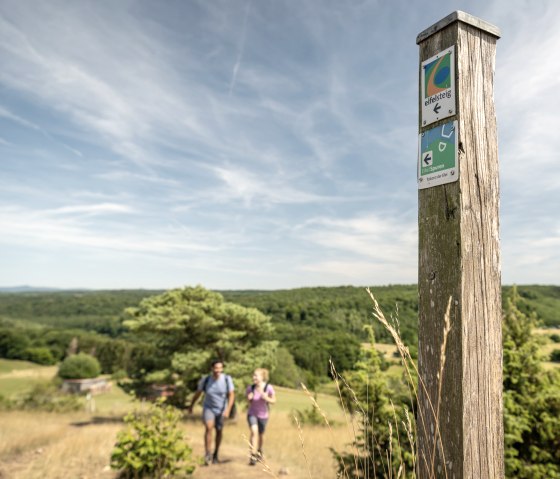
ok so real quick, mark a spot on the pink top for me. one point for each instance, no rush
(258, 406)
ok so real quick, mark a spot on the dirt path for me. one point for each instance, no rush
(234, 459)
(235, 465)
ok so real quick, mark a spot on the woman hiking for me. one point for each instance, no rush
(260, 395)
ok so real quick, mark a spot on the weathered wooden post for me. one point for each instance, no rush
(460, 429)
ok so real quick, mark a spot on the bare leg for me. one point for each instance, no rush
(261, 439)
(218, 441)
(208, 426)
(253, 439)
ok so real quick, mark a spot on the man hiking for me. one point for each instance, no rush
(218, 401)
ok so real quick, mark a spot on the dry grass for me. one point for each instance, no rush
(283, 442)
(37, 445)
(41, 372)
(42, 445)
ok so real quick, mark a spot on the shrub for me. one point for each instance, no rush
(119, 375)
(79, 366)
(555, 356)
(310, 416)
(6, 404)
(152, 445)
(46, 397)
(40, 355)
(555, 338)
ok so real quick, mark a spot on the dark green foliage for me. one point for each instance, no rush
(90, 310)
(531, 399)
(555, 356)
(344, 308)
(13, 344)
(152, 445)
(555, 338)
(310, 417)
(40, 355)
(286, 372)
(114, 355)
(543, 300)
(79, 366)
(45, 345)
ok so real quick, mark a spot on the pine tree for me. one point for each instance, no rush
(531, 400)
(382, 448)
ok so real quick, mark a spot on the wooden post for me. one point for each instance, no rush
(460, 429)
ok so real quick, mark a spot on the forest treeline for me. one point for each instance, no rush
(39, 326)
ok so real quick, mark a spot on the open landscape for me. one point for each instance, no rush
(35, 443)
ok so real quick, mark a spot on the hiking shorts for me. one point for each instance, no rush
(216, 416)
(257, 421)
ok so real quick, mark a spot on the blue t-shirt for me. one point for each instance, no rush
(215, 392)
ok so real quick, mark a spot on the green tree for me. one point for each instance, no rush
(531, 399)
(186, 328)
(286, 373)
(79, 366)
(13, 344)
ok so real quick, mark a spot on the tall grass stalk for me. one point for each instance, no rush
(300, 432)
(409, 365)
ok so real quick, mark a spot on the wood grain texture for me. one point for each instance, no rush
(459, 257)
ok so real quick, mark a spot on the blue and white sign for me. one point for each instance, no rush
(437, 155)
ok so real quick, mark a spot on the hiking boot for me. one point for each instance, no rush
(207, 459)
(215, 459)
(253, 460)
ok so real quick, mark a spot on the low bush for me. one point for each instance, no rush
(43, 397)
(79, 366)
(152, 445)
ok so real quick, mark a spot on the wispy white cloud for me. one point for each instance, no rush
(241, 50)
(60, 227)
(527, 92)
(261, 132)
(91, 209)
(125, 175)
(369, 246)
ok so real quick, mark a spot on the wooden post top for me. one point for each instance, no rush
(459, 16)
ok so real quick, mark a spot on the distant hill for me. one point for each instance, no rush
(26, 289)
(348, 306)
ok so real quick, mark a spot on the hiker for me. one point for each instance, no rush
(218, 403)
(260, 395)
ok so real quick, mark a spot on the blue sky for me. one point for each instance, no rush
(250, 144)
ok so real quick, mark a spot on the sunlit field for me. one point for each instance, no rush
(78, 445)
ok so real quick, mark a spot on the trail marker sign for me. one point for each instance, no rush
(437, 155)
(438, 86)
